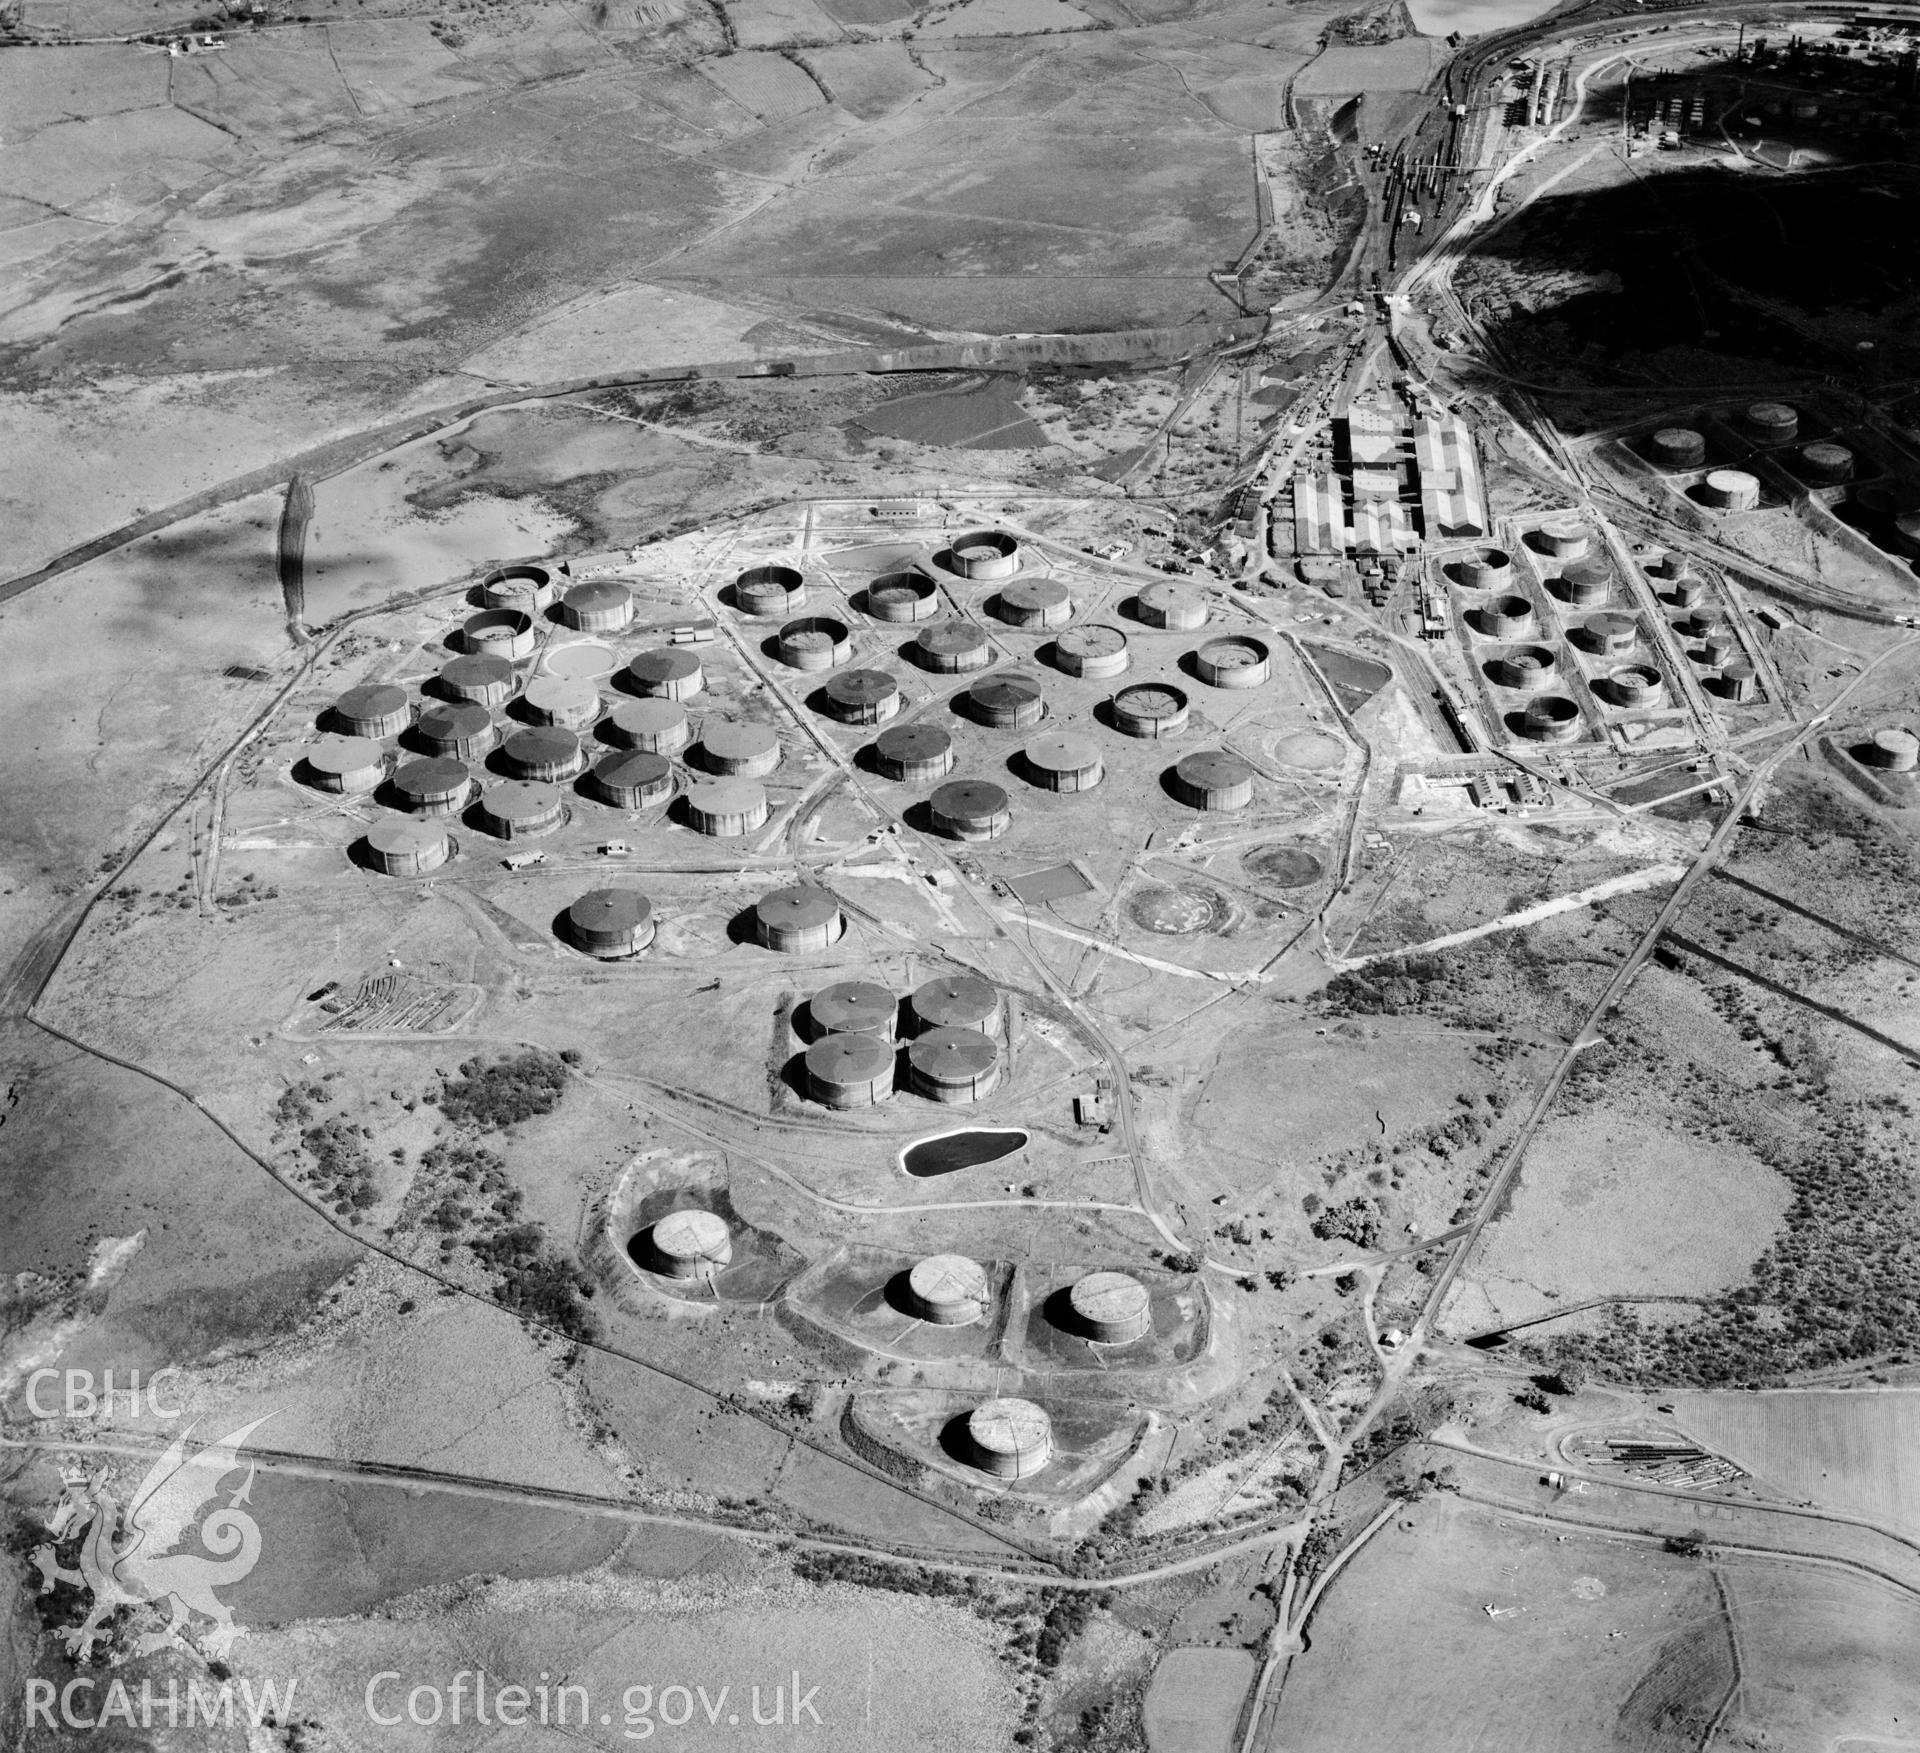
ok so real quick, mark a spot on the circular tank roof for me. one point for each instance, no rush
(850, 1058)
(691, 1235)
(558, 694)
(861, 688)
(726, 797)
(905, 743)
(431, 776)
(663, 665)
(1063, 754)
(1236, 652)
(739, 741)
(1097, 640)
(478, 669)
(949, 1055)
(798, 908)
(1213, 770)
(650, 717)
(1165, 596)
(1009, 1427)
(344, 755)
(610, 910)
(540, 745)
(399, 835)
(950, 638)
(1035, 593)
(943, 1280)
(599, 594)
(853, 1004)
(1902, 743)
(1772, 414)
(968, 800)
(632, 769)
(446, 721)
(1151, 700)
(1825, 455)
(521, 800)
(1109, 1298)
(1005, 693)
(1611, 627)
(372, 700)
(956, 1000)
(1732, 480)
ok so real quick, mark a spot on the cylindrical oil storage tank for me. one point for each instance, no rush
(970, 809)
(520, 809)
(1668, 565)
(1772, 422)
(949, 647)
(436, 785)
(1485, 569)
(798, 919)
(1150, 709)
(567, 700)
(1095, 652)
(849, 1007)
(1526, 667)
(665, 673)
(376, 710)
(1634, 684)
(985, 554)
(631, 779)
(1111, 1307)
(914, 751)
(463, 728)
(528, 588)
(1006, 702)
(1737, 681)
(948, 1290)
(1704, 622)
(746, 749)
(1730, 490)
(726, 808)
(546, 752)
(1239, 661)
(1677, 447)
(1035, 602)
(1565, 538)
(862, 697)
(902, 596)
(499, 633)
(1898, 751)
(483, 679)
(1553, 718)
(1717, 648)
(1586, 584)
(1896, 497)
(1610, 635)
(657, 725)
(601, 605)
(406, 846)
(610, 922)
(691, 1244)
(345, 764)
(1010, 1439)
(769, 590)
(1826, 464)
(1172, 606)
(849, 1071)
(958, 1001)
(1063, 763)
(815, 642)
(1509, 617)
(1686, 591)
(1213, 779)
(953, 1065)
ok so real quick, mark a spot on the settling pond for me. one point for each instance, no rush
(945, 1152)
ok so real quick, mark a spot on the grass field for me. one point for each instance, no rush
(1194, 1699)
(1403, 1652)
(1857, 1452)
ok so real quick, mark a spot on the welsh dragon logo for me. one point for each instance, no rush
(129, 1555)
